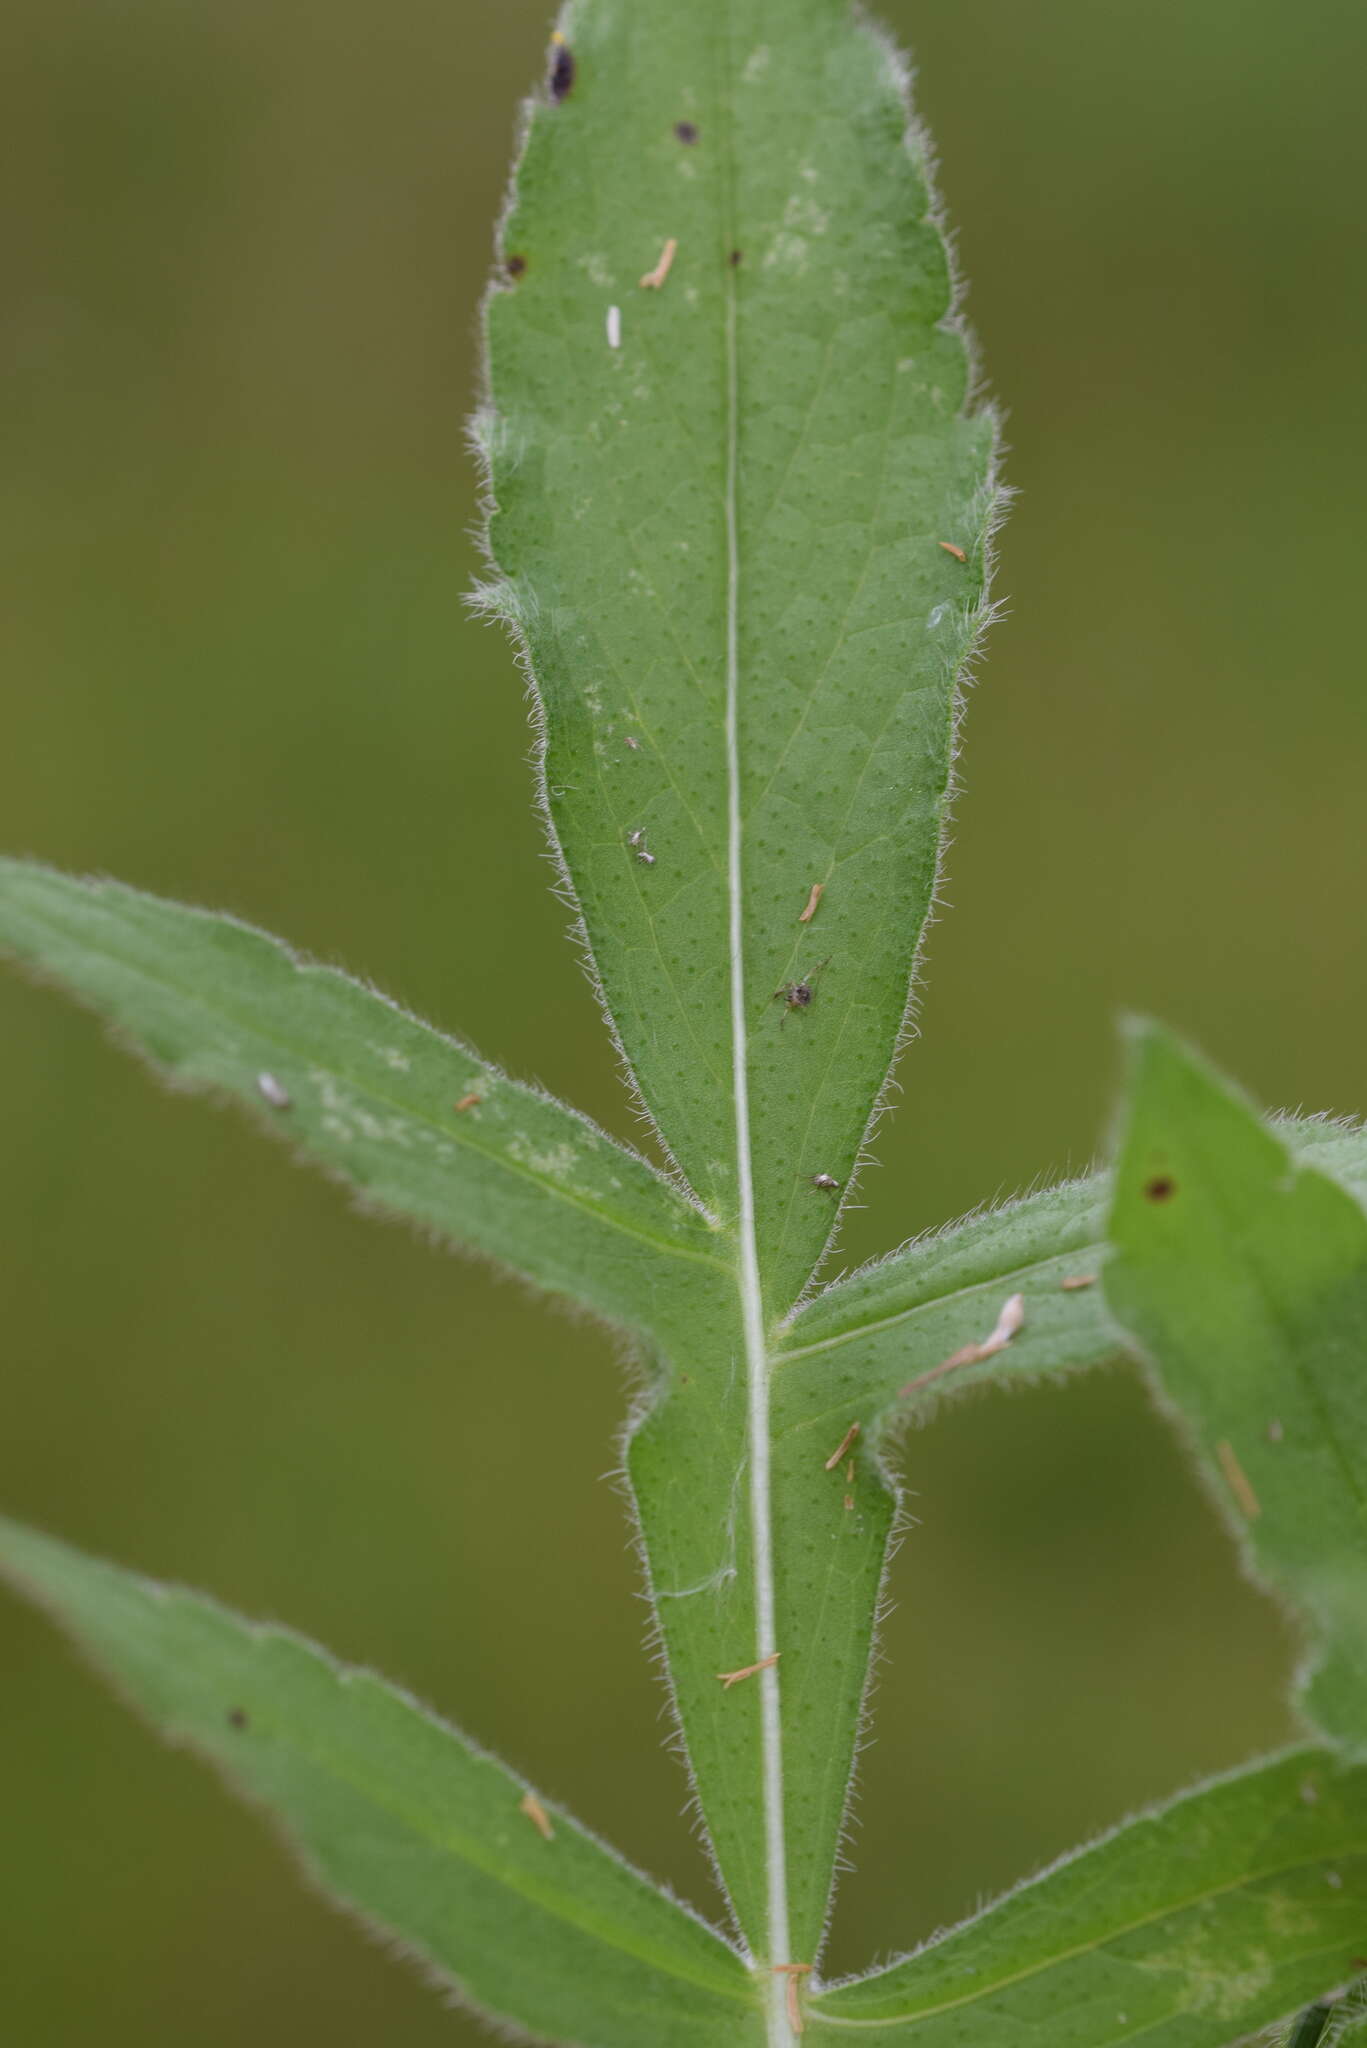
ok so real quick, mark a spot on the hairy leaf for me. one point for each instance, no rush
(867, 1337)
(1242, 1277)
(371, 1094)
(718, 513)
(850, 1354)
(738, 519)
(509, 1901)
(1310, 2028)
(1188, 1928)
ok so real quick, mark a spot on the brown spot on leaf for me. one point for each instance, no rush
(1160, 1188)
(516, 265)
(685, 131)
(237, 1717)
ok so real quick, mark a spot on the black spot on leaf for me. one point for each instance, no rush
(560, 82)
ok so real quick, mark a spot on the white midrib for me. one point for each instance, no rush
(752, 1310)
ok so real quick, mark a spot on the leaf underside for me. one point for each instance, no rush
(417, 1123)
(1188, 1928)
(1241, 1275)
(523, 1913)
(739, 509)
(795, 388)
(854, 1348)
(738, 521)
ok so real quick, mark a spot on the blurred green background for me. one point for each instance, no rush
(245, 244)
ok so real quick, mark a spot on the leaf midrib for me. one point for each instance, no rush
(748, 1271)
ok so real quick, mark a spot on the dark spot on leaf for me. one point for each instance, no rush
(1160, 1189)
(561, 77)
(237, 1717)
(735, 259)
(516, 265)
(685, 131)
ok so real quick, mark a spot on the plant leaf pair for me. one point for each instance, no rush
(1188, 1926)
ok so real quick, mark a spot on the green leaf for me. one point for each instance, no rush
(371, 1094)
(1242, 1277)
(850, 1353)
(404, 1821)
(718, 510)
(1188, 1928)
(864, 1338)
(738, 520)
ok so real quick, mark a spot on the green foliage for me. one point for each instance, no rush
(721, 540)
(369, 1092)
(739, 510)
(1189, 1927)
(718, 509)
(1243, 1277)
(511, 1904)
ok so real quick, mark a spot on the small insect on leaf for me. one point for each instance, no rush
(466, 1102)
(1238, 1480)
(273, 1091)
(818, 891)
(797, 995)
(653, 279)
(614, 326)
(794, 1973)
(537, 1815)
(560, 79)
(1008, 1322)
(838, 1453)
(730, 1678)
(951, 549)
(686, 131)
(827, 1183)
(1075, 1282)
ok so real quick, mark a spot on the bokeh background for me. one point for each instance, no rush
(244, 245)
